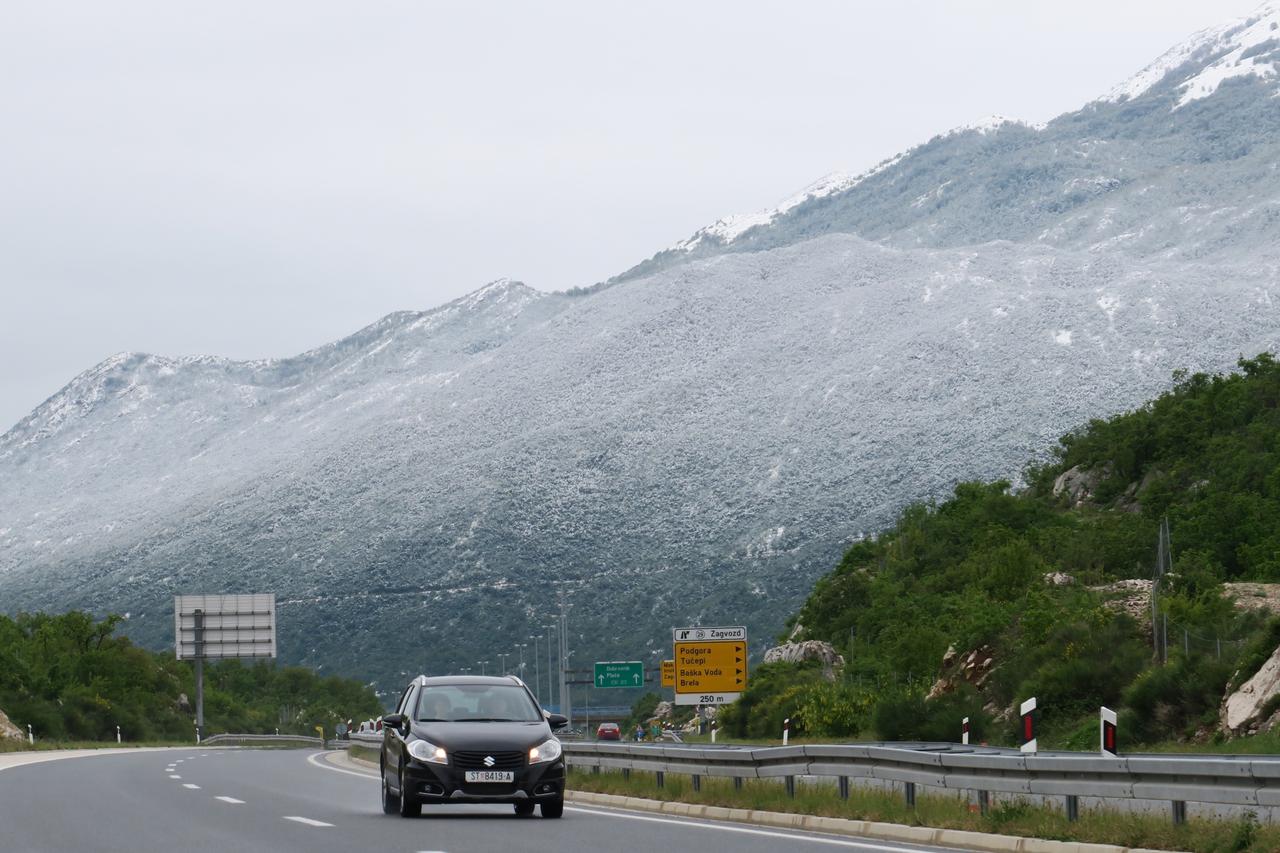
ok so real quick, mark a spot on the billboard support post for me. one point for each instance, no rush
(198, 631)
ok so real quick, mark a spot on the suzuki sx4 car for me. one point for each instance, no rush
(471, 739)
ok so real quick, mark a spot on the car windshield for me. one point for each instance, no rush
(461, 703)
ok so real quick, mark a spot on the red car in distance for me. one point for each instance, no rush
(608, 731)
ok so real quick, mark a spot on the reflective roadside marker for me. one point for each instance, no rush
(964, 730)
(1029, 719)
(1108, 719)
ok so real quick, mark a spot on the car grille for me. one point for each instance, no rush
(505, 760)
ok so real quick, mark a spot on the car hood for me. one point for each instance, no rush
(483, 736)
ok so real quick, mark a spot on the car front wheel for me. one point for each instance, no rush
(553, 808)
(409, 804)
(524, 808)
(390, 802)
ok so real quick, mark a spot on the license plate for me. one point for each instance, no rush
(491, 776)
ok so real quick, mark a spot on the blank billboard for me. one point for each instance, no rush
(234, 626)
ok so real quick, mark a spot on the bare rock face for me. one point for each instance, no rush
(1246, 711)
(183, 703)
(662, 711)
(8, 731)
(808, 650)
(973, 667)
(1079, 484)
(1056, 579)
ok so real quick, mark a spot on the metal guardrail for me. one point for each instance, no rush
(304, 740)
(1240, 780)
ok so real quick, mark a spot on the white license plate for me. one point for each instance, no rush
(491, 776)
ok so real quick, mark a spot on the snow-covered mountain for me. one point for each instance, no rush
(698, 440)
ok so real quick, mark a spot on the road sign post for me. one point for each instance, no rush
(1107, 722)
(618, 674)
(710, 665)
(211, 627)
(1030, 724)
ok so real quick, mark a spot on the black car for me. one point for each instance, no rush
(471, 739)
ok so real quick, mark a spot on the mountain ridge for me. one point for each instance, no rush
(698, 441)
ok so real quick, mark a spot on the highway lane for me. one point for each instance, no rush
(297, 800)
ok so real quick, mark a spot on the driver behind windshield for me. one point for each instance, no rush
(435, 707)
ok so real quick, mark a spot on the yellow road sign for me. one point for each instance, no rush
(711, 666)
(668, 673)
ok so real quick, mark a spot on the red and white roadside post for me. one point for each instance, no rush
(1107, 732)
(1030, 718)
(964, 731)
(786, 730)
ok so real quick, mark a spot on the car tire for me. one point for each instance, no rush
(524, 808)
(410, 806)
(553, 808)
(390, 802)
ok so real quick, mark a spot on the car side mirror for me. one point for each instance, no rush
(395, 721)
(557, 721)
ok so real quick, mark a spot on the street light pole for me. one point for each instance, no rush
(537, 668)
(484, 667)
(503, 661)
(550, 630)
(521, 647)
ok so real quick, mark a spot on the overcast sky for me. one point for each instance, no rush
(252, 179)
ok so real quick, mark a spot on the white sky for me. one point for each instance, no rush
(253, 179)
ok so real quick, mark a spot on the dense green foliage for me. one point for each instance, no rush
(971, 572)
(70, 677)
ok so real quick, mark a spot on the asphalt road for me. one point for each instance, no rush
(285, 800)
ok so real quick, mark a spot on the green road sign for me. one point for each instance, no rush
(619, 673)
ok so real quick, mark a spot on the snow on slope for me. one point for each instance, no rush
(1243, 47)
(730, 228)
(697, 442)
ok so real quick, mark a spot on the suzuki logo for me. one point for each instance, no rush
(488, 761)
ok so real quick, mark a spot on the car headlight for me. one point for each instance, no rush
(428, 752)
(545, 752)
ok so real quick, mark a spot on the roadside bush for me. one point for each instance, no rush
(1174, 698)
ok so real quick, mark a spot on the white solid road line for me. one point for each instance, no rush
(308, 821)
(231, 800)
(314, 759)
(728, 827)
(192, 787)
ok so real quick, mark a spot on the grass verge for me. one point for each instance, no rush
(1009, 817)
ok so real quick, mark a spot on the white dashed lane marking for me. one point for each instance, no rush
(308, 821)
(231, 800)
(174, 776)
(192, 787)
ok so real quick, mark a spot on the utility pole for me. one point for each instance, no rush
(1164, 565)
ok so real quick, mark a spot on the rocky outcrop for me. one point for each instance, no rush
(1263, 597)
(662, 711)
(1131, 597)
(972, 668)
(817, 650)
(1253, 707)
(1078, 484)
(8, 731)
(1058, 579)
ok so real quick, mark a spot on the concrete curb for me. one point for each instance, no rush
(958, 838)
